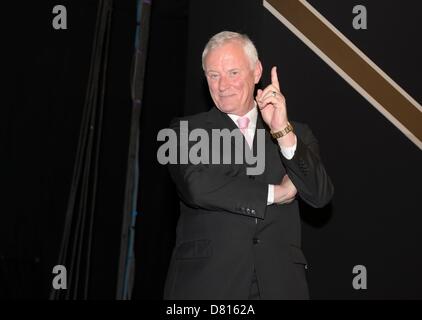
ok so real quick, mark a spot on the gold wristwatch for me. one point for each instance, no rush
(283, 132)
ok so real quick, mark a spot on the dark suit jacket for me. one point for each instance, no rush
(226, 230)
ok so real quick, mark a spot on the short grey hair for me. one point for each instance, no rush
(224, 37)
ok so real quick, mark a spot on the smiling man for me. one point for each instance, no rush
(238, 235)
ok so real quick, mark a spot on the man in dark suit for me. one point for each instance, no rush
(238, 235)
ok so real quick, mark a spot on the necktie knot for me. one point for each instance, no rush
(243, 123)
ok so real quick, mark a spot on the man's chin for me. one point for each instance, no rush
(226, 108)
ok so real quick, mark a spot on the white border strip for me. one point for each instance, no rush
(343, 74)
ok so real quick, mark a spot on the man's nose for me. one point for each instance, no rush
(223, 84)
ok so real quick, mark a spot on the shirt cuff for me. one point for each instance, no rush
(289, 152)
(270, 199)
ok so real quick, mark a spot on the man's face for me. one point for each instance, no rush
(231, 78)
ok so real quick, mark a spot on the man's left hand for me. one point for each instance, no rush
(272, 104)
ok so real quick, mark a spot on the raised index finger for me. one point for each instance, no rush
(274, 78)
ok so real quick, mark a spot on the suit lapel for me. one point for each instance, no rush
(273, 164)
(219, 120)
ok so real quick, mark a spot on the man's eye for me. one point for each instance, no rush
(213, 76)
(234, 73)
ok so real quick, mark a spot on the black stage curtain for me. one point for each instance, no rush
(46, 76)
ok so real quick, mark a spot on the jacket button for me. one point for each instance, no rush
(255, 240)
(251, 177)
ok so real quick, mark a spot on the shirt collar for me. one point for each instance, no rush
(252, 115)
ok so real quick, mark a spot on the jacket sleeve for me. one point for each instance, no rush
(307, 172)
(213, 187)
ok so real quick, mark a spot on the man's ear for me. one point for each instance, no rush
(257, 71)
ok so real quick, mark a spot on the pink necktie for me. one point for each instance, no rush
(243, 123)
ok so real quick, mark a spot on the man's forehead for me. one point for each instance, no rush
(228, 54)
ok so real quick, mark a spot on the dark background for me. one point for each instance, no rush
(373, 220)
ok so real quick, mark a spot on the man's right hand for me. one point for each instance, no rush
(285, 192)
